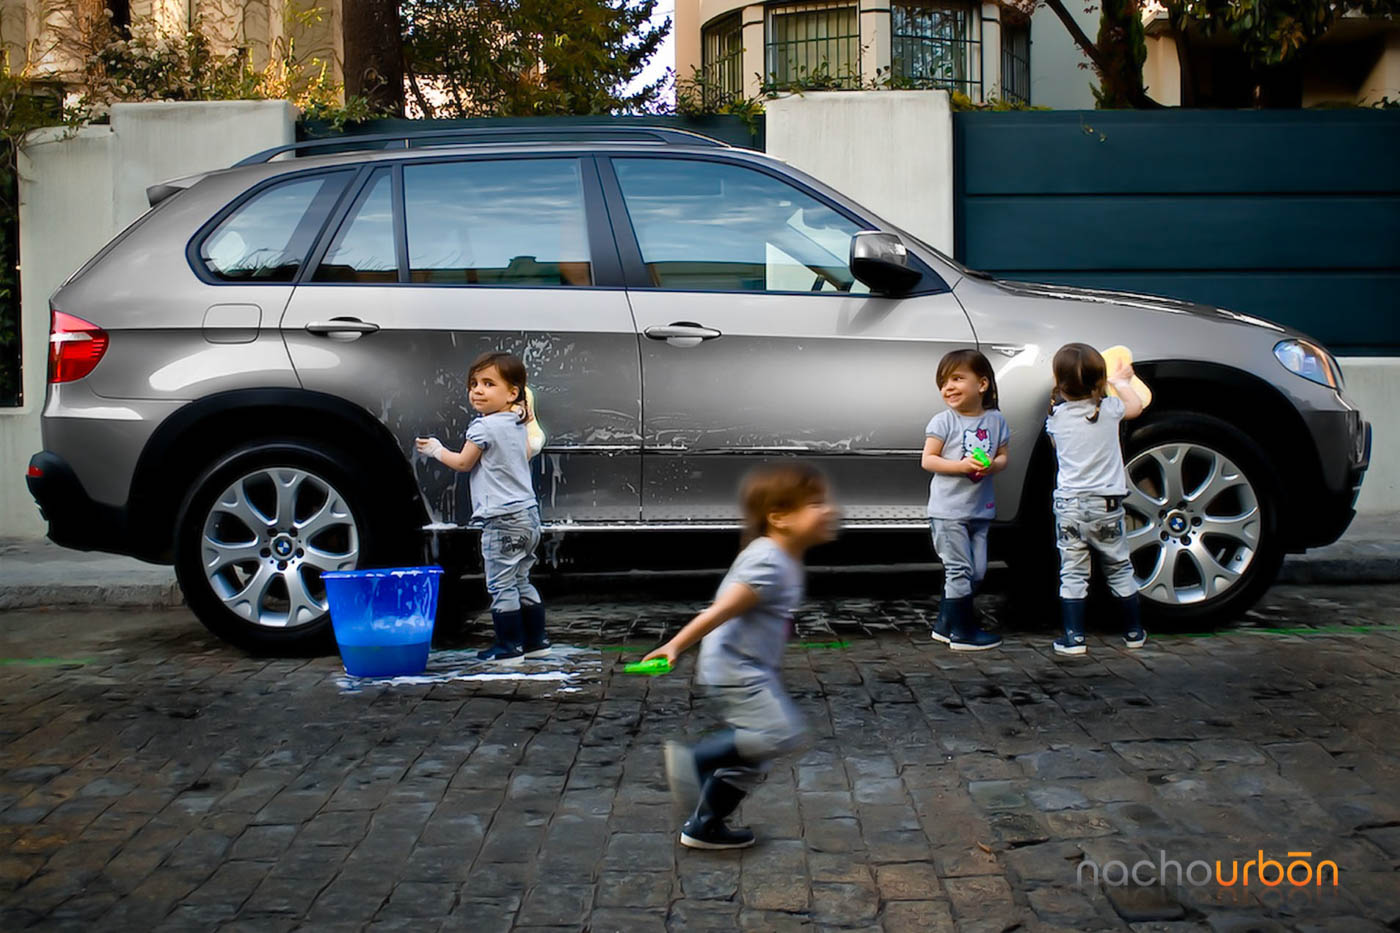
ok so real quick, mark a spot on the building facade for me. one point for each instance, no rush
(990, 51)
(739, 49)
(52, 38)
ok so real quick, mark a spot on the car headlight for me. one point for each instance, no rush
(1310, 361)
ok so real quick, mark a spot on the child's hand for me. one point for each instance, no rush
(1124, 373)
(969, 467)
(428, 446)
(665, 651)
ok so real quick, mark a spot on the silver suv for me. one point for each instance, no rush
(236, 379)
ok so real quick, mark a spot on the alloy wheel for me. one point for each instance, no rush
(1193, 523)
(267, 539)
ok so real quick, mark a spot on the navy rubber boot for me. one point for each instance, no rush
(964, 634)
(942, 631)
(536, 644)
(1130, 612)
(706, 828)
(507, 648)
(1072, 620)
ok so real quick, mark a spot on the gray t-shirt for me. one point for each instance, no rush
(500, 481)
(1090, 456)
(750, 647)
(960, 498)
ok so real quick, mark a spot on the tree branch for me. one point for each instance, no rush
(1081, 39)
(1087, 46)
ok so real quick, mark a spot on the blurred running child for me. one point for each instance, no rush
(743, 634)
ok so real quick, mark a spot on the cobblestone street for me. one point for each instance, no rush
(152, 778)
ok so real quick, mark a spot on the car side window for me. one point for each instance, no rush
(504, 223)
(712, 226)
(267, 237)
(363, 248)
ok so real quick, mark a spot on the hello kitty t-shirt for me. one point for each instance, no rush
(962, 498)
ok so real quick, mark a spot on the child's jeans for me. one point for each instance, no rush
(962, 549)
(766, 725)
(1092, 523)
(508, 545)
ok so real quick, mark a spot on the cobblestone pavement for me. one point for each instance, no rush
(152, 778)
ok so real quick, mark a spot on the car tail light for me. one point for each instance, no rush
(34, 472)
(75, 347)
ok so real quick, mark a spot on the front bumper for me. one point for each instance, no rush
(1344, 442)
(75, 520)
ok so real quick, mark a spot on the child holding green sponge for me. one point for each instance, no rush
(743, 634)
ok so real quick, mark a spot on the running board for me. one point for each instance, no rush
(571, 527)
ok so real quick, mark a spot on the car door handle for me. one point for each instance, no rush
(341, 325)
(682, 333)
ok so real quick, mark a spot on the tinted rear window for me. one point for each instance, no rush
(267, 237)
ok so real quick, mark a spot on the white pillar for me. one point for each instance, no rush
(755, 55)
(890, 151)
(991, 51)
(875, 50)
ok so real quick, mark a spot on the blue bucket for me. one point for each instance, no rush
(383, 619)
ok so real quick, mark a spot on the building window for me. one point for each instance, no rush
(936, 45)
(722, 48)
(814, 45)
(1016, 63)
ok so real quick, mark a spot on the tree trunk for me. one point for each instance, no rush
(373, 40)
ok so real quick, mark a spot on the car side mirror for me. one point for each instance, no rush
(881, 260)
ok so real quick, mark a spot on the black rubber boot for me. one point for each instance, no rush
(706, 829)
(964, 634)
(1130, 613)
(507, 649)
(536, 644)
(1072, 620)
(688, 768)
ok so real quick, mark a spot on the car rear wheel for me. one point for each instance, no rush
(1202, 518)
(254, 536)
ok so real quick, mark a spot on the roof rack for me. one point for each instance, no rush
(489, 134)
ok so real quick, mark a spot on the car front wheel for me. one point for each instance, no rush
(1202, 518)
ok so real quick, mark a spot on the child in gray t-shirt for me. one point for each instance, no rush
(497, 456)
(1089, 488)
(964, 445)
(744, 632)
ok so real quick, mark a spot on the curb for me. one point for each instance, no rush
(115, 596)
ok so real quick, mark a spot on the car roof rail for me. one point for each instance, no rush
(490, 134)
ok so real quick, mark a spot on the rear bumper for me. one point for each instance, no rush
(75, 520)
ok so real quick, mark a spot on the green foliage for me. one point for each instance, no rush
(518, 58)
(698, 96)
(960, 101)
(1123, 48)
(1270, 32)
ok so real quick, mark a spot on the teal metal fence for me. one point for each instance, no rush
(1293, 216)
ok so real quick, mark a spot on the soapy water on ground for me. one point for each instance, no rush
(565, 665)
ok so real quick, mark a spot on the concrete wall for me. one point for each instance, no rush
(77, 191)
(890, 150)
(1057, 79)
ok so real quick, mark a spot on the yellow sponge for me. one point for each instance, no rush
(1117, 356)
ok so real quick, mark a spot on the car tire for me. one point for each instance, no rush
(258, 527)
(1203, 519)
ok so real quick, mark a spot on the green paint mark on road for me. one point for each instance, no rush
(43, 662)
